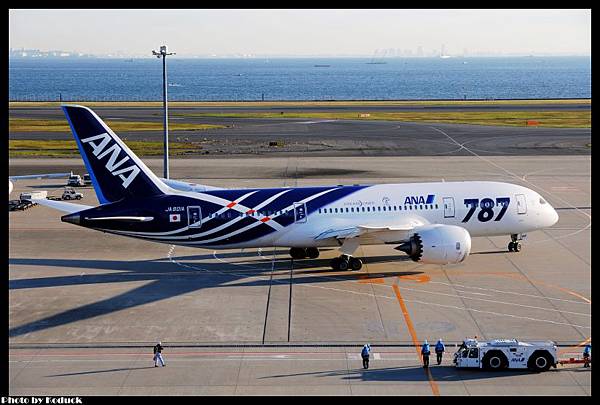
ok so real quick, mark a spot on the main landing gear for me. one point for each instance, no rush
(303, 253)
(514, 245)
(345, 262)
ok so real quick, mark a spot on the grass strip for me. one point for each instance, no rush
(66, 148)
(35, 125)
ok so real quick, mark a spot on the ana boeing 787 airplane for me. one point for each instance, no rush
(430, 222)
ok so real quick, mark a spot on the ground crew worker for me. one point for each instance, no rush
(439, 350)
(425, 353)
(587, 352)
(157, 355)
(365, 353)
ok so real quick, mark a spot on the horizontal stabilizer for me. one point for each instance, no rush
(62, 205)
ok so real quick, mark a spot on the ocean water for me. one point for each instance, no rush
(300, 79)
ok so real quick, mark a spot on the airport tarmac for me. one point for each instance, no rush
(86, 307)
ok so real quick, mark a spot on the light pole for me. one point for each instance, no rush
(163, 53)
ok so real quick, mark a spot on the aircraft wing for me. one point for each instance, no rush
(62, 205)
(41, 176)
(11, 179)
(185, 186)
(387, 233)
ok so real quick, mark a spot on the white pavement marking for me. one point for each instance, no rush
(494, 301)
(512, 292)
(380, 296)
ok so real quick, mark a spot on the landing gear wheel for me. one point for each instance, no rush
(298, 253)
(343, 265)
(355, 264)
(516, 247)
(335, 263)
(312, 252)
(511, 246)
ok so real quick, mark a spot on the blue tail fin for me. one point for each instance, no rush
(116, 172)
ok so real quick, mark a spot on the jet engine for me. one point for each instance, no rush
(437, 244)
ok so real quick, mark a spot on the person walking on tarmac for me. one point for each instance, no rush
(587, 352)
(439, 350)
(425, 353)
(157, 355)
(365, 353)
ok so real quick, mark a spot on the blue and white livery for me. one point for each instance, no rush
(431, 222)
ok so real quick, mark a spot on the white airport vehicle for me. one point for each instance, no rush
(75, 180)
(431, 222)
(70, 194)
(87, 180)
(33, 195)
(501, 354)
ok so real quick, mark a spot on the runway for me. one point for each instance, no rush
(86, 307)
(326, 137)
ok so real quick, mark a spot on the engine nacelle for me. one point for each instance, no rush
(438, 244)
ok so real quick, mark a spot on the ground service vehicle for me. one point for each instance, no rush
(31, 195)
(75, 180)
(20, 205)
(500, 354)
(70, 194)
(87, 180)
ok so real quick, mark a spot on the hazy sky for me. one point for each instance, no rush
(302, 32)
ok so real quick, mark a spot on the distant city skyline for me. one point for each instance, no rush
(301, 33)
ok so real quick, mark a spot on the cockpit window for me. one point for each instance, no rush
(542, 201)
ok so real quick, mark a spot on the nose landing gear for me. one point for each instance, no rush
(514, 245)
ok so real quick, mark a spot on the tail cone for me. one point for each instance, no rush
(72, 218)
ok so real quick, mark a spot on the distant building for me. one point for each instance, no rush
(36, 53)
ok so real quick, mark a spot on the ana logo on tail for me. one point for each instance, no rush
(100, 150)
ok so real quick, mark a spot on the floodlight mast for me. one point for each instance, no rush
(164, 54)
